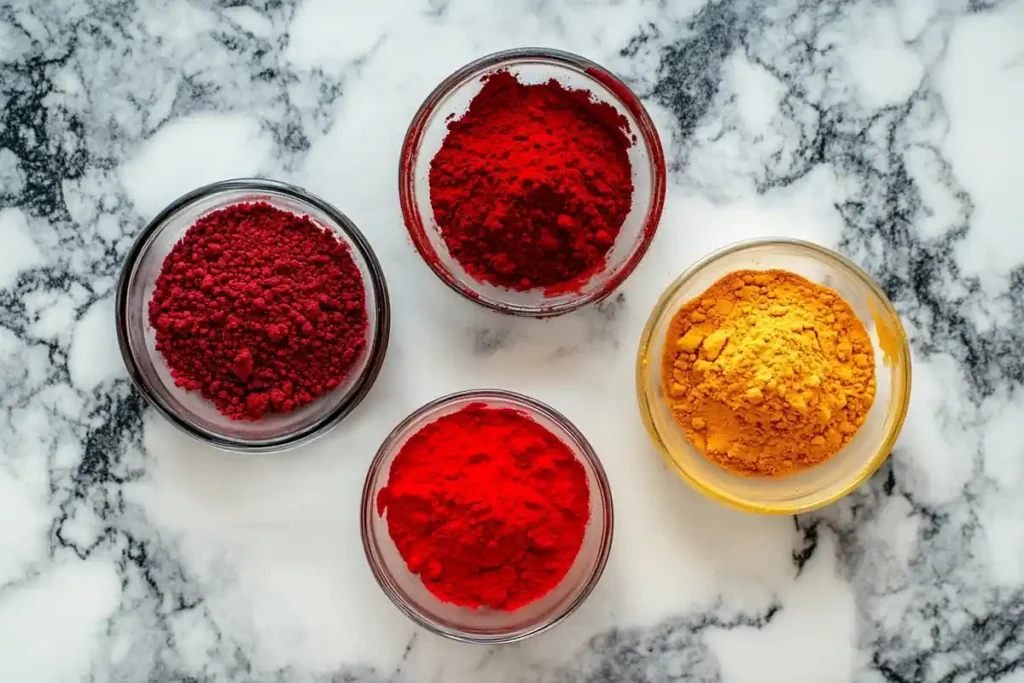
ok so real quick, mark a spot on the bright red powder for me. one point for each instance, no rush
(487, 506)
(259, 310)
(532, 184)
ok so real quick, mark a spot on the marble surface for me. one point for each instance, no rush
(889, 130)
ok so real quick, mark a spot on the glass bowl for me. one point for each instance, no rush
(189, 411)
(451, 99)
(847, 469)
(486, 625)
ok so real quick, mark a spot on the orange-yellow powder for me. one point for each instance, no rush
(768, 373)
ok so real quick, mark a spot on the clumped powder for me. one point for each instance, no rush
(768, 373)
(260, 310)
(532, 184)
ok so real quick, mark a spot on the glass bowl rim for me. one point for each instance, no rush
(580, 445)
(355, 239)
(902, 359)
(621, 92)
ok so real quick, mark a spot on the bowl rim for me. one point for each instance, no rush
(415, 224)
(368, 509)
(377, 351)
(902, 358)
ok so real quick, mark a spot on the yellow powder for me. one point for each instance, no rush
(768, 373)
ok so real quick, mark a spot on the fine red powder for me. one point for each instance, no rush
(532, 184)
(488, 507)
(259, 310)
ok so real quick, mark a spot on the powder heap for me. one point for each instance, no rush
(532, 184)
(768, 373)
(259, 310)
(488, 507)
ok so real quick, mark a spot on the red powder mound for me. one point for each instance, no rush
(488, 507)
(259, 310)
(532, 184)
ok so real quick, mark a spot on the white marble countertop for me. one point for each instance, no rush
(889, 130)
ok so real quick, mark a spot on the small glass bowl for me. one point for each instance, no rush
(487, 626)
(451, 99)
(189, 411)
(847, 469)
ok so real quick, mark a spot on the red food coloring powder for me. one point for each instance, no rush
(487, 506)
(260, 310)
(532, 184)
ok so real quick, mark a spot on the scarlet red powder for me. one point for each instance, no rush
(259, 310)
(532, 184)
(488, 507)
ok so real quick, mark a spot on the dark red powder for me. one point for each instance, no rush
(259, 310)
(487, 506)
(532, 184)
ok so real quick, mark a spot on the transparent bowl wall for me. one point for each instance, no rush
(189, 410)
(452, 98)
(486, 625)
(853, 464)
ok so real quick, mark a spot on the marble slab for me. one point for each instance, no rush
(889, 130)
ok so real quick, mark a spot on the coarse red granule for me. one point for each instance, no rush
(260, 310)
(487, 506)
(532, 184)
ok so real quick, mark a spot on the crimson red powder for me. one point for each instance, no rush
(259, 310)
(488, 507)
(532, 184)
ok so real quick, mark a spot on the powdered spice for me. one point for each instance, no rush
(532, 184)
(258, 309)
(768, 373)
(488, 507)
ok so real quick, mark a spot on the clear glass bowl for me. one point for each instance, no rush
(451, 99)
(486, 625)
(189, 411)
(847, 469)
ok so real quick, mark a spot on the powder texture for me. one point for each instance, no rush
(488, 507)
(768, 373)
(532, 184)
(259, 310)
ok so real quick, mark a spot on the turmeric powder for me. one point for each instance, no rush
(768, 373)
